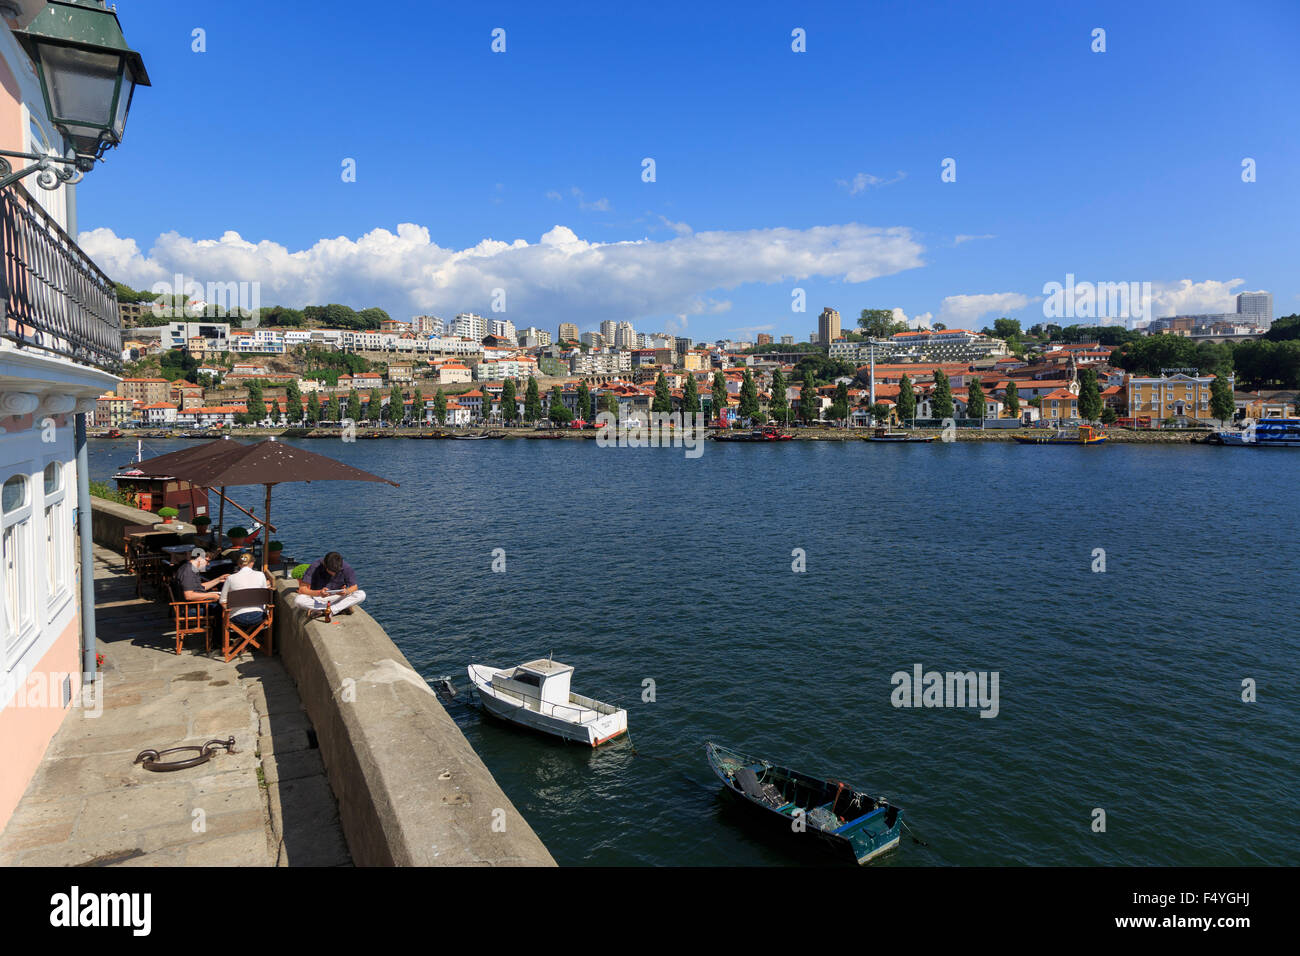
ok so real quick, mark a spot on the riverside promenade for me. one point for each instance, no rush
(269, 804)
(344, 754)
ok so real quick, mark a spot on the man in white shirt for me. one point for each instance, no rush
(246, 577)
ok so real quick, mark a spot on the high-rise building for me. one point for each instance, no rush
(787, 340)
(567, 332)
(593, 339)
(625, 337)
(504, 329)
(828, 326)
(427, 325)
(1258, 305)
(469, 326)
(764, 338)
(608, 330)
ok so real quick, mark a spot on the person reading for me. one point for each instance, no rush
(246, 577)
(189, 577)
(329, 586)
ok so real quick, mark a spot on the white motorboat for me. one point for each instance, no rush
(537, 695)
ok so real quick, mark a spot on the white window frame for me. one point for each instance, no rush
(21, 626)
(59, 556)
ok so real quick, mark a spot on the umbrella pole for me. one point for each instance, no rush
(221, 517)
(266, 543)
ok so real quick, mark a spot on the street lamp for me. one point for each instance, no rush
(88, 76)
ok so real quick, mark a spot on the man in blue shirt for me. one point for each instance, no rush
(329, 586)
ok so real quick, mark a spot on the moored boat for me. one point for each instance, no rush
(1086, 435)
(537, 695)
(829, 814)
(1265, 433)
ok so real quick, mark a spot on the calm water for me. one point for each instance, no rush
(1118, 690)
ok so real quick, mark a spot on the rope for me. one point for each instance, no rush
(915, 838)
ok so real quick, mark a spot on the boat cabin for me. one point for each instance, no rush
(546, 681)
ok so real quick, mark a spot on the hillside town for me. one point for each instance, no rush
(202, 373)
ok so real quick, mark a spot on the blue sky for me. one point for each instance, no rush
(774, 169)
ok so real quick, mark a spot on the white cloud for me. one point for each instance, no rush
(958, 240)
(921, 321)
(552, 194)
(861, 182)
(558, 278)
(678, 227)
(1186, 297)
(971, 308)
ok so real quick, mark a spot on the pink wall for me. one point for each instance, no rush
(25, 732)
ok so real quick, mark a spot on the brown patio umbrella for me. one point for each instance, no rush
(266, 463)
(164, 466)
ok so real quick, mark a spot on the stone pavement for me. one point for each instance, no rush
(269, 804)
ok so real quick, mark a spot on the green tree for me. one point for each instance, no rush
(718, 394)
(396, 406)
(584, 402)
(1222, 405)
(906, 399)
(374, 405)
(840, 403)
(879, 323)
(879, 412)
(809, 402)
(440, 406)
(532, 401)
(663, 400)
(1089, 395)
(256, 407)
(749, 398)
(610, 403)
(293, 401)
(1008, 329)
(1012, 400)
(690, 396)
(332, 411)
(976, 407)
(417, 405)
(354, 405)
(1109, 416)
(779, 406)
(941, 398)
(313, 408)
(509, 401)
(558, 412)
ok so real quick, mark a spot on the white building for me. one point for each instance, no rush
(60, 349)
(468, 325)
(215, 335)
(1258, 306)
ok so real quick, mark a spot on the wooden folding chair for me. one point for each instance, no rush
(191, 617)
(153, 570)
(247, 599)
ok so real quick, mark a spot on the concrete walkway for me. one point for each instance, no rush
(90, 805)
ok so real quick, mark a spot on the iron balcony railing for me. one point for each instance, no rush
(56, 299)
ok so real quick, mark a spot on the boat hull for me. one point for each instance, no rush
(810, 816)
(596, 729)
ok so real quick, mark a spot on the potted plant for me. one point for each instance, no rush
(273, 550)
(299, 571)
(237, 536)
(167, 514)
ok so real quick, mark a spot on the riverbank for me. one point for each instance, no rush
(1115, 435)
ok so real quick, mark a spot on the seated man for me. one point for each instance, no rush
(189, 577)
(329, 586)
(246, 577)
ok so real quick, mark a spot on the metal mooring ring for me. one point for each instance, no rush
(152, 759)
